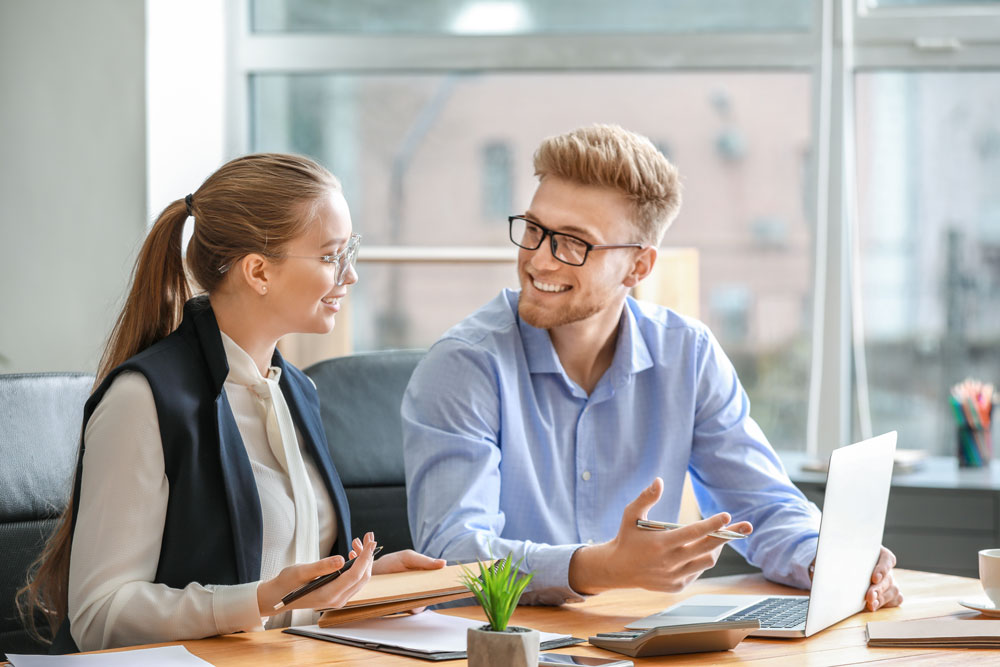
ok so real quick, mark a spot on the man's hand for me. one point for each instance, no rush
(883, 592)
(408, 559)
(660, 561)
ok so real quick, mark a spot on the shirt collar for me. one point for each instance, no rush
(631, 352)
(242, 369)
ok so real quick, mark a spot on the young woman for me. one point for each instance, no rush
(205, 490)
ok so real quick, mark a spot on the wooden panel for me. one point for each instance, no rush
(673, 282)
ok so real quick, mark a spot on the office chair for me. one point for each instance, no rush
(360, 397)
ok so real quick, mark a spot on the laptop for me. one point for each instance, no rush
(850, 537)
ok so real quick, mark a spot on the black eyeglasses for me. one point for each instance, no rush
(567, 248)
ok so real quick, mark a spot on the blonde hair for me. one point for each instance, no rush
(611, 156)
(253, 204)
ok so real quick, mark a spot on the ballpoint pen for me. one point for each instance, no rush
(648, 524)
(309, 587)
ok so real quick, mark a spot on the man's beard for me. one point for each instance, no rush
(549, 318)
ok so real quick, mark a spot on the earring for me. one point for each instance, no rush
(263, 289)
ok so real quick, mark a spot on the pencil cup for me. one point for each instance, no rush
(975, 445)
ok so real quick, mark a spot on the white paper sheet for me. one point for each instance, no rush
(428, 631)
(164, 656)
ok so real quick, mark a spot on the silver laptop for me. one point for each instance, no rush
(850, 536)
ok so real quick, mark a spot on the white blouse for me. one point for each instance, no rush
(123, 507)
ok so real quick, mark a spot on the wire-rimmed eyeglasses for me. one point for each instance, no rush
(342, 262)
(568, 249)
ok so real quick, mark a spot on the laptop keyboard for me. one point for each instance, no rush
(775, 612)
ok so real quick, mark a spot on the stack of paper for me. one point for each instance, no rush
(943, 632)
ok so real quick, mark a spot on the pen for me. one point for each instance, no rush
(309, 587)
(648, 524)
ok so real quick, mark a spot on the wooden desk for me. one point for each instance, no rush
(927, 596)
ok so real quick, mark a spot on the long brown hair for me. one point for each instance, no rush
(253, 204)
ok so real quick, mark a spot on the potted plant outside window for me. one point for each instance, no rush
(497, 589)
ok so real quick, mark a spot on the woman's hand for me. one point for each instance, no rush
(408, 559)
(331, 596)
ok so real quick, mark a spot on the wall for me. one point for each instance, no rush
(72, 175)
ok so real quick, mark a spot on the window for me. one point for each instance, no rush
(928, 165)
(441, 159)
(414, 110)
(518, 17)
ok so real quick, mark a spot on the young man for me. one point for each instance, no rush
(553, 418)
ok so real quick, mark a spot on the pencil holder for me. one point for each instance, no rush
(975, 446)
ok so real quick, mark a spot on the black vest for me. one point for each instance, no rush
(214, 528)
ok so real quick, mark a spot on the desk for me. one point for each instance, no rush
(927, 595)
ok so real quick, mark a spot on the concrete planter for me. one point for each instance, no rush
(517, 647)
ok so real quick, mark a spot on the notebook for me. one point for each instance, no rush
(939, 632)
(386, 594)
(850, 537)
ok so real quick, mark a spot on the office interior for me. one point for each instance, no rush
(840, 162)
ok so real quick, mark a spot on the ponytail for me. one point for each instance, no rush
(159, 291)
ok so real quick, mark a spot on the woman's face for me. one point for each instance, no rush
(303, 290)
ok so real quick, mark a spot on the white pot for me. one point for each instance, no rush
(517, 647)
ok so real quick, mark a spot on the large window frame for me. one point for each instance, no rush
(845, 37)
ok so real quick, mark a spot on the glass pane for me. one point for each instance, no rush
(430, 160)
(874, 4)
(410, 305)
(521, 17)
(929, 164)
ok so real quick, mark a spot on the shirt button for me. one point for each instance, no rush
(586, 475)
(590, 541)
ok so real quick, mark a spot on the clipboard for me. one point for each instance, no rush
(427, 636)
(423, 655)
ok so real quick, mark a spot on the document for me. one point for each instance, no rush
(427, 635)
(164, 656)
(938, 632)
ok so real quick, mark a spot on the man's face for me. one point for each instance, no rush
(554, 293)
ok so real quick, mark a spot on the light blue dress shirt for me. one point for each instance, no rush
(505, 453)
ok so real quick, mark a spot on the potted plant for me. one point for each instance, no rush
(497, 589)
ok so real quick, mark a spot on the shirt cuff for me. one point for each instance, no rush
(235, 608)
(802, 558)
(550, 584)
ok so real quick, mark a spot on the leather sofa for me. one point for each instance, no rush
(40, 416)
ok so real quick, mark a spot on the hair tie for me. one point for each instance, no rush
(189, 201)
